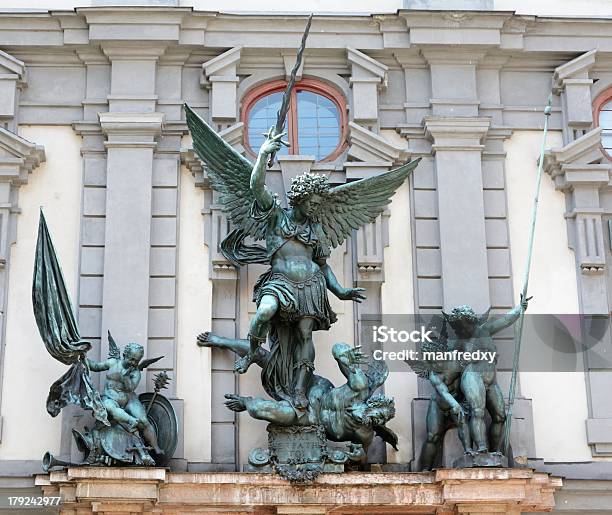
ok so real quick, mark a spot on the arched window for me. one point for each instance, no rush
(603, 119)
(316, 121)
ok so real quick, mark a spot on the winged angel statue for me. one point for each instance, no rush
(291, 296)
(125, 431)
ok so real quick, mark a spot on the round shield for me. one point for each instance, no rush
(116, 441)
(163, 418)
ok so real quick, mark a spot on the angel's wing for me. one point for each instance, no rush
(148, 362)
(438, 343)
(113, 348)
(376, 370)
(351, 205)
(482, 319)
(229, 174)
(420, 368)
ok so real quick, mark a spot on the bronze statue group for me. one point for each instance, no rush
(292, 303)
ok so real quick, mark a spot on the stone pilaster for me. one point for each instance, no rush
(130, 144)
(457, 147)
(225, 310)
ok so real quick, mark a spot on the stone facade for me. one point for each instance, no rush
(451, 87)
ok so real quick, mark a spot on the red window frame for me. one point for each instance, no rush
(311, 85)
(603, 98)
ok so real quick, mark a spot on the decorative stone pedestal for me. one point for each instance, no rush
(482, 459)
(87, 490)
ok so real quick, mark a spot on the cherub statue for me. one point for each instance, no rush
(119, 398)
(479, 379)
(291, 296)
(445, 409)
(348, 413)
(124, 430)
(465, 388)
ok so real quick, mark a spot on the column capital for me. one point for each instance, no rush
(457, 133)
(122, 51)
(367, 77)
(131, 129)
(466, 56)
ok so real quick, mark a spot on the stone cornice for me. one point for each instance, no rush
(368, 146)
(576, 69)
(182, 26)
(365, 62)
(223, 64)
(442, 28)
(18, 157)
(13, 66)
(582, 151)
(195, 166)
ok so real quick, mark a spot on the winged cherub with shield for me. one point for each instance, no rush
(291, 296)
(122, 378)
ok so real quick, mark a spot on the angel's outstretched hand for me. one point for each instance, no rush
(272, 143)
(353, 294)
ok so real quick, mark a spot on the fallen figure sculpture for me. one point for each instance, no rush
(349, 413)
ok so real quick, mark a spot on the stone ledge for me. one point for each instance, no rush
(444, 491)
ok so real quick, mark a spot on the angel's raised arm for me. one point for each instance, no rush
(258, 176)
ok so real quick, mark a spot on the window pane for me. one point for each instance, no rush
(606, 139)
(262, 116)
(318, 124)
(605, 116)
